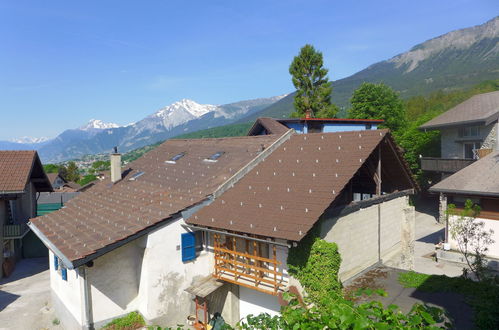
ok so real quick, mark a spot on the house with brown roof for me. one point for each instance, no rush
(21, 178)
(468, 131)
(195, 227)
(479, 182)
(62, 185)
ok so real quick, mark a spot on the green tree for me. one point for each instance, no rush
(51, 168)
(72, 172)
(313, 88)
(378, 101)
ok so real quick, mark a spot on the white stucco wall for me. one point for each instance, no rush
(165, 277)
(356, 235)
(114, 280)
(256, 302)
(67, 293)
(493, 251)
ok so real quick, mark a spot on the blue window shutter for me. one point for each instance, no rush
(188, 241)
(64, 274)
(56, 262)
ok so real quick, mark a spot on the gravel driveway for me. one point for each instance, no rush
(25, 297)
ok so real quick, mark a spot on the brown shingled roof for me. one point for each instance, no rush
(285, 194)
(16, 169)
(107, 213)
(271, 126)
(480, 178)
(479, 109)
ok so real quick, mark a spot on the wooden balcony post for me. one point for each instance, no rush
(275, 267)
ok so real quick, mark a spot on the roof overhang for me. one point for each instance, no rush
(464, 192)
(461, 123)
(333, 120)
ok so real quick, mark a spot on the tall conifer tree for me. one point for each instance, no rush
(313, 88)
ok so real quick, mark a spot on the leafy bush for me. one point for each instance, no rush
(130, 321)
(316, 266)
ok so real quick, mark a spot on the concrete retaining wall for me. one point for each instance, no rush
(376, 233)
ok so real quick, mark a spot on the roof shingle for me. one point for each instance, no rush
(482, 108)
(284, 195)
(109, 213)
(15, 169)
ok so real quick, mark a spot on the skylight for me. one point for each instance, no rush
(215, 156)
(135, 176)
(174, 159)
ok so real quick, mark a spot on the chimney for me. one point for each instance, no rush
(115, 166)
(308, 114)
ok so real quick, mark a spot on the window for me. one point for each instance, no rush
(470, 150)
(174, 159)
(200, 240)
(56, 262)
(215, 156)
(469, 131)
(135, 176)
(315, 127)
(368, 126)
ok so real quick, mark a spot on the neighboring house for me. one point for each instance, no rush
(21, 178)
(206, 225)
(468, 131)
(479, 183)
(62, 185)
(263, 126)
(56, 180)
(48, 202)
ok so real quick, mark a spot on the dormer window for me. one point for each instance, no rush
(174, 159)
(136, 175)
(213, 158)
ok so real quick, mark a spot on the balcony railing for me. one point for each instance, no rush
(248, 269)
(445, 165)
(15, 231)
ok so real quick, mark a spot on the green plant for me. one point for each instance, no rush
(471, 238)
(130, 321)
(56, 321)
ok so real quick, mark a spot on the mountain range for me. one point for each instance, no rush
(455, 60)
(178, 118)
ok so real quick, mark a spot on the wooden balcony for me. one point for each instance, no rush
(444, 165)
(248, 268)
(15, 231)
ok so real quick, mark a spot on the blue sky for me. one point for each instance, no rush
(65, 62)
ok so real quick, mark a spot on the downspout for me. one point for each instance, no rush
(86, 300)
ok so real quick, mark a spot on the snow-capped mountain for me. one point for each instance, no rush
(177, 118)
(97, 124)
(179, 112)
(29, 139)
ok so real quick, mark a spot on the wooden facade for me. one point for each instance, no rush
(248, 263)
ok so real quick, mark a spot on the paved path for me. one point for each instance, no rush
(386, 278)
(428, 233)
(25, 297)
